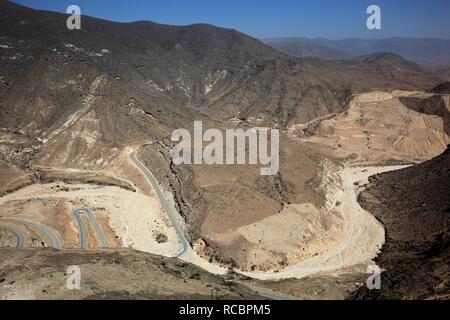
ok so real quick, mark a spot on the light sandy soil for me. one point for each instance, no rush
(361, 242)
(138, 222)
(7, 239)
(379, 127)
(352, 237)
(298, 232)
(135, 218)
(364, 235)
(234, 197)
(192, 257)
(52, 212)
(11, 177)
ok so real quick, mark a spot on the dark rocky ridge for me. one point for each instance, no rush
(414, 206)
(443, 88)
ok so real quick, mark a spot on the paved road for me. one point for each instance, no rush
(273, 295)
(328, 261)
(51, 234)
(256, 292)
(17, 234)
(98, 230)
(83, 230)
(171, 212)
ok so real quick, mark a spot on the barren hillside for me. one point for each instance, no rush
(86, 118)
(414, 206)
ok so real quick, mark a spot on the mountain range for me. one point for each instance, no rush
(86, 118)
(431, 53)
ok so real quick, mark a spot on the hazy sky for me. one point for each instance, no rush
(276, 18)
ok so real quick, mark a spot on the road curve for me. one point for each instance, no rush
(98, 230)
(83, 231)
(51, 234)
(17, 234)
(170, 211)
(358, 225)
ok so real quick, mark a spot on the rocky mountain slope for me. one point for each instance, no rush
(123, 274)
(81, 99)
(384, 126)
(172, 73)
(414, 206)
(443, 88)
(437, 103)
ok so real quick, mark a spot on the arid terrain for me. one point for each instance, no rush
(414, 206)
(86, 176)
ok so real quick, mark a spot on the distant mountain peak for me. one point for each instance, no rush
(427, 52)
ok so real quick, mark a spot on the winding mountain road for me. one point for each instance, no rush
(364, 235)
(171, 212)
(83, 234)
(51, 234)
(17, 234)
